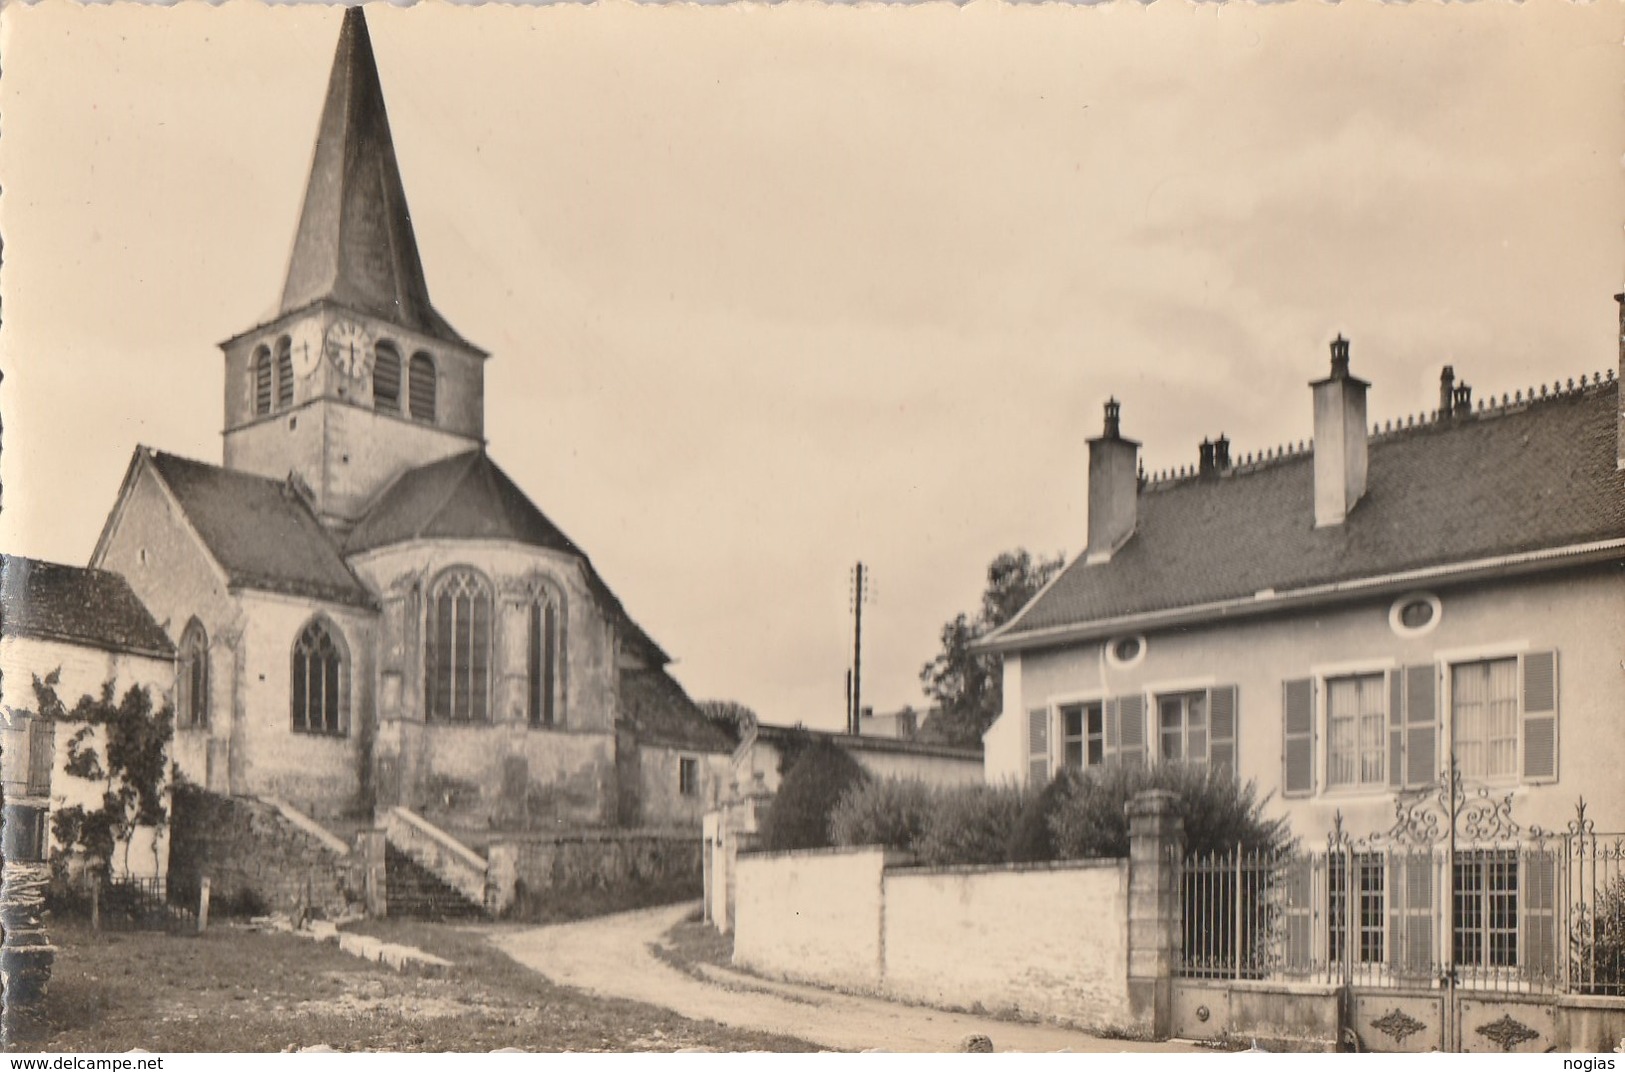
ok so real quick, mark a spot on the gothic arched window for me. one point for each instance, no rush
(284, 372)
(320, 681)
(386, 378)
(422, 383)
(457, 647)
(544, 707)
(262, 381)
(192, 683)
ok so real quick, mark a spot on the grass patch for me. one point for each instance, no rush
(235, 989)
(693, 941)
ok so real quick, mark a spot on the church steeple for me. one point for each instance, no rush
(357, 378)
(355, 244)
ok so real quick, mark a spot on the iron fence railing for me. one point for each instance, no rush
(1542, 914)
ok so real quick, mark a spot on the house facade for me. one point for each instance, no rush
(1337, 622)
(368, 613)
(78, 632)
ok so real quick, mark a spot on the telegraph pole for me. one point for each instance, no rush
(860, 591)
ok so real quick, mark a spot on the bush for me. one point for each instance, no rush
(970, 825)
(1601, 960)
(1218, 810)
(890, 812)
(973, 824)
(1033, 840)
(799, 817)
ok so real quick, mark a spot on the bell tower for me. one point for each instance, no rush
(357, 378)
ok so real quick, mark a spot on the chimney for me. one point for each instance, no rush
(1221, 453)
(1447, 390)
(1340, 446)
(1114, 488)
(1619, 435)
(1204, 465)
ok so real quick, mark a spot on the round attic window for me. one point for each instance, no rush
(1125, 651)
(1415, 614)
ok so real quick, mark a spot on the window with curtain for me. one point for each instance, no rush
(193, 680)
(1357, 730)
(320, 684)
(457, 640)
(1484, 716)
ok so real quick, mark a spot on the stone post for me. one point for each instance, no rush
(1156, 852)
(501, 876)
(369, 846)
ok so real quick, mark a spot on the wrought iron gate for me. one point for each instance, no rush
(1455, 929)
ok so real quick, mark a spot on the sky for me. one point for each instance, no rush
(775, 289)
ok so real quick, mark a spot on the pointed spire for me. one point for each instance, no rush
(355, 244)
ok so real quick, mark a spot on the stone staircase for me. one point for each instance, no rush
(415, 892)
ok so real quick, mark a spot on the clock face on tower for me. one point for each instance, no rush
(349, 347)
(306, 348)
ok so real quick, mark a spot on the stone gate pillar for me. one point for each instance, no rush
(1156, 837)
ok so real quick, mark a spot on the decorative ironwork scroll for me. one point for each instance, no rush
(1507, 1032)
(1398, 1025)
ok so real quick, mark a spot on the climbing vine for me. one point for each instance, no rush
(131, 766)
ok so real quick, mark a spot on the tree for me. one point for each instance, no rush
(730, 716)
(966, 686)
(799, 816)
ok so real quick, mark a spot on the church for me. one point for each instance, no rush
(367, 612)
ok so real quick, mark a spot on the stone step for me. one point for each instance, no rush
(415, 892)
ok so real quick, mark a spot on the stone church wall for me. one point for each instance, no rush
(150, 545)
(502, 772)
(256, 861)
(322, 775)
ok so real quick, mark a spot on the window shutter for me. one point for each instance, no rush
(1038, 745)
(1410, 913)
(1222, 729)
(1396, 729)
(1421, 725)
(1539, 896)
(1540, 716)
(1298, 738)
(41, 756)
(1110, 729)
(1131, 728)
(1297, 894)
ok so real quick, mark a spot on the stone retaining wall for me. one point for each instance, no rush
(539, 876)
(256, 860)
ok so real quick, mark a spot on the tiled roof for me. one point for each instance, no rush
(662, 714)
(84, 606)
(1503, 481)
(773, 734)
(260, 531)
(464, 497)
(468, 497)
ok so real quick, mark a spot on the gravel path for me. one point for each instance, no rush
(610, 955)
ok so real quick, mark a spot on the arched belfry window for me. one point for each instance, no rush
(386, 377)
(262, 381)
(422, 377)
(192, 682)
(284, 372)
(320, 690)
(457, 647)
(544, 652)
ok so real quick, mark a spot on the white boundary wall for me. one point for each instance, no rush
(1047, 940)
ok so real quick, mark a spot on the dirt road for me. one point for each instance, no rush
(611, 956)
